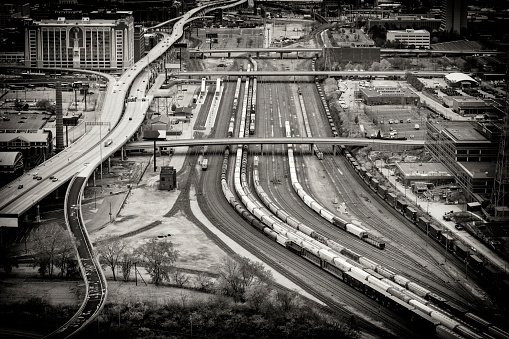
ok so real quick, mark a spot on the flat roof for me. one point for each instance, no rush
(424, 169)
(479, 169)
(420, 31)
(29, 136)
(463, 132)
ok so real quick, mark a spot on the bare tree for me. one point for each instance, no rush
(127, 264)
(180, 278)
(237, 275)
(110, 253)
(159, 257)
(203, 283)
(52, 245)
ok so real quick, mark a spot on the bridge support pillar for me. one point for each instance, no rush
(334, 150)
(257, 54)
(281, 55)
(229, 55)
(311, 148)
(37, 214)
(122, 153)
(297, 55)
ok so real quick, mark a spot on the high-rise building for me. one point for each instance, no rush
(453, 15)
(98, 44)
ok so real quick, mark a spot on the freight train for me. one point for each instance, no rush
(416, 303)
(422, 221)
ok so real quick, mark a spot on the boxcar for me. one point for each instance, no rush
(447, 240)
(434, 231)
(475, 262)
(391, 199)
(382, 191)
(461, 251)
(411, 213)
(423, 223)
(401, 205)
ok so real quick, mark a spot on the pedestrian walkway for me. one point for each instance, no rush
(437, 211)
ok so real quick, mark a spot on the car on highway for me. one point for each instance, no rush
(54, 179)
(458, 227)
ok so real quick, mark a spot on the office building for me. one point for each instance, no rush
(453, 15)
(468, 150)
(417, 38)
(99, 44)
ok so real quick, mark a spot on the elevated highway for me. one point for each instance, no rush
(85, 155)
(309, 52)
(273, 141)
(313, 73)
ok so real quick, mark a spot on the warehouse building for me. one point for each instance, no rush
(417, 38)
(460, 80)
(35, 145)
(389, 96)
(468, 106)
(433, 174)
(468, 150)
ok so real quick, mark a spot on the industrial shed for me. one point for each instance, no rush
(460, 80)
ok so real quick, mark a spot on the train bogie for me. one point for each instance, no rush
(467, 333)
(444, 320)
(419, 290)
(355, 230)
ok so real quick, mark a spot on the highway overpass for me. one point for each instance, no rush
(313, 73)
(273, 141)
(300, 50)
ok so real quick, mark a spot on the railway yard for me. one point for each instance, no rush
(310, 216)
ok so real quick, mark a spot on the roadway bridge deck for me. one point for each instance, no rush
(398, 74)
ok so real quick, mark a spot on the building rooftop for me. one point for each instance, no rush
(461, 131)
(8, 158)
(479, 169)
(413, 31)
(457, 77)
(424, 169)
(28, 136)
